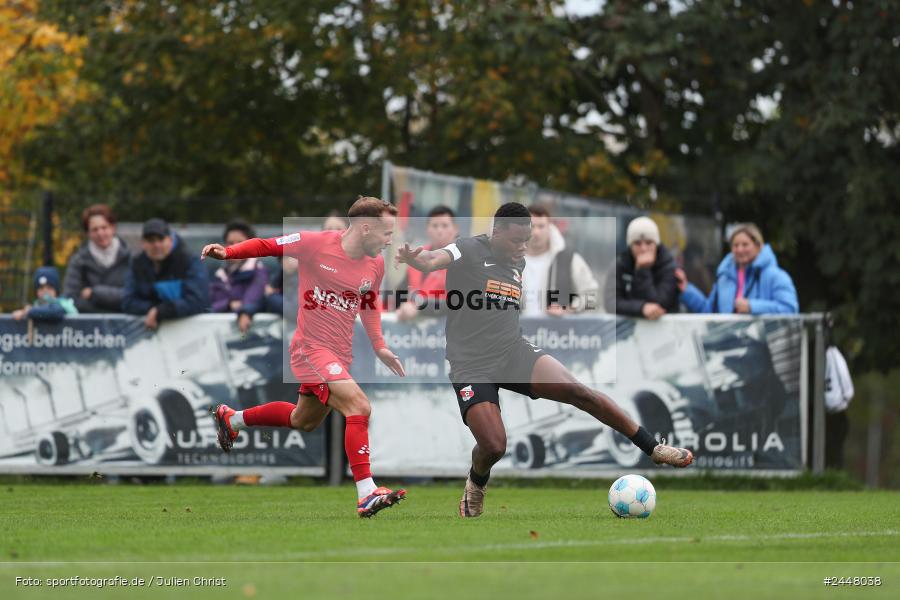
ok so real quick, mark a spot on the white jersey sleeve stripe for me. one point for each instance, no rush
(453, 250)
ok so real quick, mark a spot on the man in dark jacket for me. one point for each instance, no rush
(96, 272)
(644, 275)
(165, 281)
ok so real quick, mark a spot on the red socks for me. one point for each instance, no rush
(272, 414)
(356, 444)
(356, 432)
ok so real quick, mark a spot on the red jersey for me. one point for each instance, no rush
(332, 289)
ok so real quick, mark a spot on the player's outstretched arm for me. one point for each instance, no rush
(251, 248)
(423, 260)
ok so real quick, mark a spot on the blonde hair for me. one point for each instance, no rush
(751, 230)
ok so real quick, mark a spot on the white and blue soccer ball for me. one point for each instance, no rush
(632, 496)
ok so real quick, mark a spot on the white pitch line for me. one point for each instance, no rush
(367, 552)
(461, 550)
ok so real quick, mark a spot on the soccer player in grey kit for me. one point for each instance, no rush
(487, 352)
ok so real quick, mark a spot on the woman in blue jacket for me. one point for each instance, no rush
(748, 280)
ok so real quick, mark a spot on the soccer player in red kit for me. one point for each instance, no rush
(339, 277)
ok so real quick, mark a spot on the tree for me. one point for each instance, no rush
(193, 103)
(825, 170)
(270, 97)
(787, 113)
(38, 82)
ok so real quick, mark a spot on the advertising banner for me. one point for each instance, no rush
(727, 387)
(104, 394)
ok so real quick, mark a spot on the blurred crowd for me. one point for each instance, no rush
(165, 280)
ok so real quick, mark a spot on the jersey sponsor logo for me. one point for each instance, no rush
(347, 301)
(327, 268)
(364, 286)
(467, 393)
(287, 239)
(504, 290)
(334, 368)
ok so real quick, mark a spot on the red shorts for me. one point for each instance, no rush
(316, 368)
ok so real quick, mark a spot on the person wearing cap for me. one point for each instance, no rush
(239, 286)
(95, 275)
(165, 281)
(48, 305)
(644, 275)
(748, 280)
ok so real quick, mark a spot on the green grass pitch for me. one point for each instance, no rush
(307, 542)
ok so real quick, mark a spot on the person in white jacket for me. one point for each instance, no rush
(556, 280)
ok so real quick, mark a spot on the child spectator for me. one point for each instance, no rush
(49, 305)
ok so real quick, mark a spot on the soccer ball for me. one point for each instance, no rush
(632, 496)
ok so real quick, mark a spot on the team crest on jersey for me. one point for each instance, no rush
(334, 368)
(517, 277)
(364, 286)
(466, 393)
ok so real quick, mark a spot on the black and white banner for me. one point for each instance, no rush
(727, 387)
(103, 394)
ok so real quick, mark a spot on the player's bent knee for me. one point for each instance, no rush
(304, 422)
(494, 449)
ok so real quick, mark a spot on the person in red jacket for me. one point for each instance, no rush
(442, 230)
(339, 277)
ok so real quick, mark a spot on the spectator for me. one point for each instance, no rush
(96, 271)
(165, 281)
(644, 275)
(442, 230)
(239, 285)
(556, 279)
(334, 222)
(281, 292)
(48, 305)
(748, 280)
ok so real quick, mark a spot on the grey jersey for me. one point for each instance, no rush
(483, 297)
